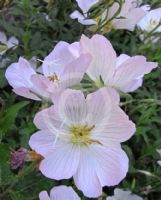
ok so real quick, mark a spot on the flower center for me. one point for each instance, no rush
(81, 135)
(53, 77)
(153, 24)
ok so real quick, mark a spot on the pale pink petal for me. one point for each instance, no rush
(40, 86)
(57, 59)
(62, 163)
(74, 48)
(130, 20)
(130, 70)
(72, 106)
(112, 131)
(103, 57)
(86, 178)
(43, 142)
(63, 193)
(121, 59)
(44, 196)
(86, 5)
(111, 164)
(135, 84)
(74, 71)
(27, 93)
(19, 74)
(49, 119)
(129, 16)
(99, 105)
(104, 112)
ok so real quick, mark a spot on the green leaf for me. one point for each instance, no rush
(4, 153)
(7, 117)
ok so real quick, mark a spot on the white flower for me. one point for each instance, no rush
(159, 151)
(5, 44)
(120, 194)
(151, 20)
(131, 13)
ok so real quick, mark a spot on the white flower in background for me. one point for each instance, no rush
(120, 194)
(85, 6)
(151, 20)
(59, 193)
(159, 151)
(131, 13)
(5, 44)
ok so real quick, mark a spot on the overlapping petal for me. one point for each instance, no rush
(103, 57)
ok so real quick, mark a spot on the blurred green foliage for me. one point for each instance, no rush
(26, 19)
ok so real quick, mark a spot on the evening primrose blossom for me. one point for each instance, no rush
(59, 193)
(120, 194)
(130, 14)
(79, 138)
(151, 21)
(5, 44)
(123, 73)
(60, 69)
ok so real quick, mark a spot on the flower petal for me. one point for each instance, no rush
(81, 18)
(72, 106)
(99, 105)
(62, 163)
(19, 74)
(86, 5)
(49, 119)
(103, 57)
(86, 178)
(43, 142)
(111, 165)
(118, 128)
(130, 70)
(12, 42)
(44, 196)
(63, 193)
(27, 93)
(57, 59)
(74, 71)
(3, 38)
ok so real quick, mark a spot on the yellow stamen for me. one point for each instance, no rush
(53, 77)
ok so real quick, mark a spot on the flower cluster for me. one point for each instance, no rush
(81, 130)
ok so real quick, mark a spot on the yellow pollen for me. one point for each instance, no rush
(81, 135)
(53, 77)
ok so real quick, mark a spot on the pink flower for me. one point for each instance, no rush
(123, 73)
(59, 193)
(130, 14)
(81, 137)
(62, 68)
